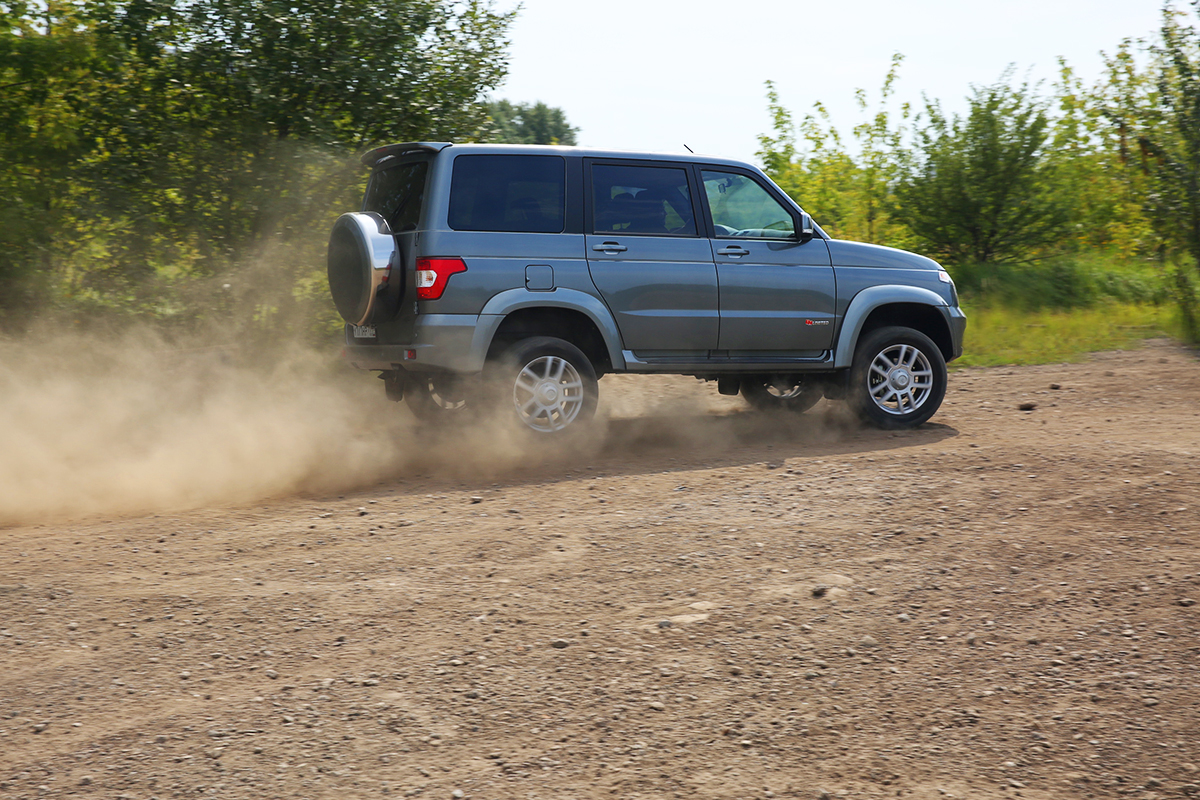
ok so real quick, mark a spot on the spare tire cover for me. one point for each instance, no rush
(359, 262)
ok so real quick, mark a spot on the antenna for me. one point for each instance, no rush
(690, 150)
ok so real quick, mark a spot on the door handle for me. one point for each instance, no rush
(733, 250)
(610, 248)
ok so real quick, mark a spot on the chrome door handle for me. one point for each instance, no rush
(609, 247)
(733, 250)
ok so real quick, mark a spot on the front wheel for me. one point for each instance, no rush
(781, 393)
(898, 379)
(547, 384)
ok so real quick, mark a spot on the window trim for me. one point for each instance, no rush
(589, 211)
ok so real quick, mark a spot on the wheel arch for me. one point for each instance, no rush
(569, 315)
(881, 306)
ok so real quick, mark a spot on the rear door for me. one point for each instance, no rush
(777, 295)
(648, 257)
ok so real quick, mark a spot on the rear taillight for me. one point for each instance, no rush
(432, 274)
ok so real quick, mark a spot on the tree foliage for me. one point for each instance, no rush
(979, 186)
(525, 123)
(150, 145)
(1170, 140)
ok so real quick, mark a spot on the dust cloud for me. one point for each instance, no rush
(131, 424)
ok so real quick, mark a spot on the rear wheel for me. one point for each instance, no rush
(545, 384)
(437, 398)
(898, 379)
(781, 393)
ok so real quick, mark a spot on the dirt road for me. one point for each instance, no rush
(711, 604)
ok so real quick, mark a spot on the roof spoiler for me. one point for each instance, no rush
(373, 157)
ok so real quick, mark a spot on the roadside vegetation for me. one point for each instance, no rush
(1069, 215)
(179, 165)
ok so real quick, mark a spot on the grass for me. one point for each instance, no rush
(1003, 335)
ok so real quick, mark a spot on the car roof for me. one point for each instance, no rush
(386, 152)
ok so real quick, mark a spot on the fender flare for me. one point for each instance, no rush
(506, 302)
(866, 301)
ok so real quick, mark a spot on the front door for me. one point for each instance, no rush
(648, 260)
(777, 295)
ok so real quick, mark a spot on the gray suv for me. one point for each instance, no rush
(512, 277)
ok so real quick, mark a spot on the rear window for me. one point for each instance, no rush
(396, 194)
(523, 194)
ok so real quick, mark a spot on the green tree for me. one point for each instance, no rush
(152, 145)
(523, 123)
(1170, 141)
(848, 195)
(978, 188)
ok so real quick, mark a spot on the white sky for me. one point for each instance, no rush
(655, 74)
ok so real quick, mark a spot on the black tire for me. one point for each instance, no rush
(898, 378)
(781, 393)
(547, 386)
(438, 399)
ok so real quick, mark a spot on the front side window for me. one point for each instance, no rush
(522, 194)
(740, 206)
(396, 194)
(648, 200)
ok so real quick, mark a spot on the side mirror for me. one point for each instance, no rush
(806, 232)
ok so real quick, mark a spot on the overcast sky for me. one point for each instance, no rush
(656, 74)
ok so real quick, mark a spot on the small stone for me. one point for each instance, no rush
(1056, 386)
(559, 644)
(1015, 784)
(476, 499)
(665, 623)
(868, 641)
(657, 706)
(185, 674)
(86, 780)
(362, 512)
(972, 638)
(819, 591)
(1028, 405)
(1187, 601)
(903, 617)
(41, 726)
(1149, 701)
(272, 674)
(457, 794)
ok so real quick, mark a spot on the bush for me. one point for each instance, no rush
(1066, 283)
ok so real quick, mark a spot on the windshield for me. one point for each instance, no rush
(395, 193)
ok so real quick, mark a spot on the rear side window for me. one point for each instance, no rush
(396, 194)
(522, 194)
(648, 200)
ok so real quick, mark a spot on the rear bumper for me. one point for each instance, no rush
(441, 342)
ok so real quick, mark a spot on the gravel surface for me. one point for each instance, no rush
(707, 603)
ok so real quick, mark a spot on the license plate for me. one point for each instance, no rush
(364, 331)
